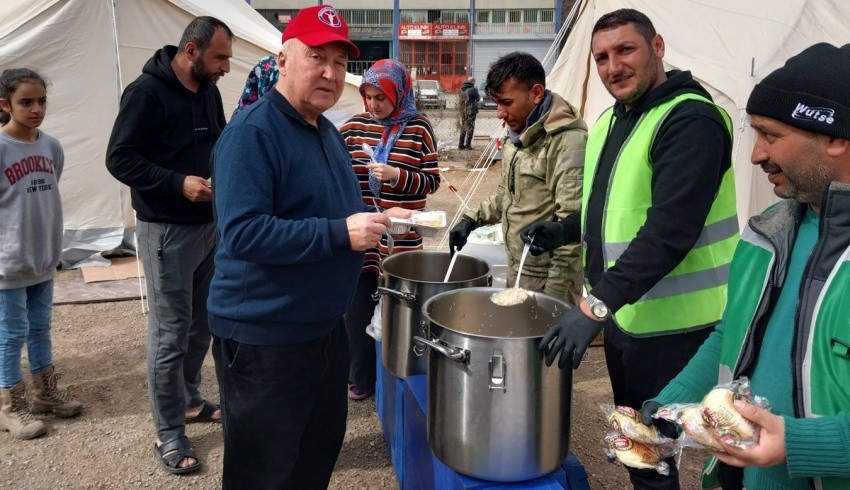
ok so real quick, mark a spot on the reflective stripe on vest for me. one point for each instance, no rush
(693, 295)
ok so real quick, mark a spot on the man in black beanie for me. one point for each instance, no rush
(786, 326)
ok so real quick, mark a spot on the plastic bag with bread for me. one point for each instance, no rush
(634, 454)
(626, 421)
(721, 414)
(696, 430)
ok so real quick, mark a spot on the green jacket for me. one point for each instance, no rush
(541, 180)
(817, 439)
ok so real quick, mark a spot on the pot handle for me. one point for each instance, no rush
(498, 366)
(454, 353)
(403, 296)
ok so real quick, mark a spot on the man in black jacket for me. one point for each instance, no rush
(167, 125)
(469, 98)
(659, 222)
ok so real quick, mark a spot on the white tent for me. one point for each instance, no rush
(728, 45)
(89, 50)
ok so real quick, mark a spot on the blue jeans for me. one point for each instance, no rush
(284, 410)
(25, 315)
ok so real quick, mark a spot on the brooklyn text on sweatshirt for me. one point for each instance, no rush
(29, 165)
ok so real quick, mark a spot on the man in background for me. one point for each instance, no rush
(168, 122)
(469, 110)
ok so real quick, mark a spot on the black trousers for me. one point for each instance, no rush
(284, 409)
(361, 346)
(467, 129)
(639, 367)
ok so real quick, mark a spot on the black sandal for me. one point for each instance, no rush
(171, 453)
(206, 414)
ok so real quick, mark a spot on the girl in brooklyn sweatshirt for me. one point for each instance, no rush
(31, 162)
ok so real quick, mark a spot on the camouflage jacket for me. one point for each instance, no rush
(542, 180)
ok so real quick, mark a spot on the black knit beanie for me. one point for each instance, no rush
(811, 92)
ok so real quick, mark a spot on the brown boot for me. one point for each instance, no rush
(48, 398)
(15, 415)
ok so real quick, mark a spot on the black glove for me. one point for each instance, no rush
(572, 334)
(459, 234)
(647, 411)
(546, 235)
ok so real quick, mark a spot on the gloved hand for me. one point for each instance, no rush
(570, 337)
(459, 234)
(547, 235)
(647, 411)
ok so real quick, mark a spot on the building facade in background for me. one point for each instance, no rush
(439, 40)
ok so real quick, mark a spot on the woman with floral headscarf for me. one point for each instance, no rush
(260, 80)
(401, 171)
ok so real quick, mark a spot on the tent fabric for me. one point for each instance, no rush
(728, 45)
(88, 51)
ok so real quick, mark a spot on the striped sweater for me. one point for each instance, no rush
(415, 154)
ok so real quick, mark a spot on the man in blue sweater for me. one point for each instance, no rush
(292, 234)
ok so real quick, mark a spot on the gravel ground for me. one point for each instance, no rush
(100, 350)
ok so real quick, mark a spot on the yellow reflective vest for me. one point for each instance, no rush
(693, 295)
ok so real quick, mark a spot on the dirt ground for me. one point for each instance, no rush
(100, 350)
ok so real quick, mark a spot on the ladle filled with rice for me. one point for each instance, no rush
(510, 296)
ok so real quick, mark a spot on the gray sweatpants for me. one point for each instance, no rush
(178, 264)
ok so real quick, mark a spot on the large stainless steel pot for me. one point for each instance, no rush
(410, 279)
(495, 411)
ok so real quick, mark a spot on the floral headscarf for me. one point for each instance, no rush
(261, 79)
(393, 79)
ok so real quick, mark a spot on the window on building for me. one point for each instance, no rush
(498, 17)
(358, 17)
(413, 16)
(482, 17)
(373, 17)
(547, 16)
(529, 16)
(514, 16)
(454, 16)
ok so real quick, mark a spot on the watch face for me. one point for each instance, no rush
(600, 310)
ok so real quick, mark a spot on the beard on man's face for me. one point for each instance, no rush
(200, 73)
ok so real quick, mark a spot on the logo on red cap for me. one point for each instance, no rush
(329, 16)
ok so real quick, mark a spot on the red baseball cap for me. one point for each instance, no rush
(322, 24)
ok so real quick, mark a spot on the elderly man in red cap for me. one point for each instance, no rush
(292, 234)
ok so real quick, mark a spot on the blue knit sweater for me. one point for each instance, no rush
(282, 190)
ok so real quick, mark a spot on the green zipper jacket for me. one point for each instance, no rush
(541, 180)
(817, 439)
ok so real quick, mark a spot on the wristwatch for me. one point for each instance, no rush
(597, 307)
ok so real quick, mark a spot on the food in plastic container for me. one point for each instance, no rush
(426, 223)
(432, 219)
